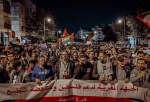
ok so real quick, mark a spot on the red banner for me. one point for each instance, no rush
(73, 91)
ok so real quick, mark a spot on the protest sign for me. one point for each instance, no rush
(73, 91)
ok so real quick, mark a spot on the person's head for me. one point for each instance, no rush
(75, 55)
(147, 58)
(119, 50)
(73, 49)
(64, 55)
(109, 52)
(68, 50)
(33, 56)
(114, 61)
(31, 63)
(104, 60)
(9, 67)
(140, 54)
(141, 49)
(17, 66)
(83, 60)
(101, 55)
(17, 41)
(41, 61)
(140, 63)
(126, 60)
(2, 58)
(87, 51)
(91, 55)
(121, 60)
(10, 57)
(96, 54)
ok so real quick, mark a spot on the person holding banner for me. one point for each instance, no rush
(64, 66)
(138, 74)
(84, 69)
(40, 73)
(121, 72)
(16, 75)
(103, 69)
(75, 60)
(4, 75)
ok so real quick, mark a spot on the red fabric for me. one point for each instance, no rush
(146, 22)
(77, 99)
(65, 33)
(148, 33)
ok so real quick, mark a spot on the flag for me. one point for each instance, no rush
(67, 40)
(145, 18)
(65, 32)
(66, 37)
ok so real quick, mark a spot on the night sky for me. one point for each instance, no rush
(76, 14)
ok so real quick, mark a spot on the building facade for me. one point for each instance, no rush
(83, 34)
(30, 18)
(98, 34)
(18, 18)
(5, 22)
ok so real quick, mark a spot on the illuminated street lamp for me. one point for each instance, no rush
(123, 21)
(48, 20)
(120, 21)
(95, 32)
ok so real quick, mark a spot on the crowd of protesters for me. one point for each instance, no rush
(41, 61)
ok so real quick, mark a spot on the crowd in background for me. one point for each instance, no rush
(41, 61)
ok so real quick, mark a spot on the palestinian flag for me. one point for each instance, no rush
(65, 32)
(67, 40)
(145, 18)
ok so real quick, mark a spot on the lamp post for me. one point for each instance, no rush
(123, 21)
(48, 20)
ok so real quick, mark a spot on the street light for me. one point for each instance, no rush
(48, 20)
(123, 21)
(95, 32)
(120, 21)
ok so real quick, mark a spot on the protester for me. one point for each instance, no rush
(103, 68)
(40, 73)
(28, 72)
(121, 73)
(85, 69)
(138, 74)
(16, 75)
(65, 66)
(104, 62)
